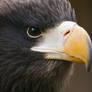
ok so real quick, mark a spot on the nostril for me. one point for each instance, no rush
(66, 32)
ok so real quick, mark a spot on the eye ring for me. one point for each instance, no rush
(33, 32)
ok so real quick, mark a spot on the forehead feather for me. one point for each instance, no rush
(49, 12)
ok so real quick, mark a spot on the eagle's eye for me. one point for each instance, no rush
(33, 32)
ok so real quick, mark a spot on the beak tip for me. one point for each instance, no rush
(90, 56)
(89, 68)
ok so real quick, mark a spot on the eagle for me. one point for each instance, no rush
(40, 41)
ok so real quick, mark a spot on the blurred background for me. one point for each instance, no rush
(81, 80)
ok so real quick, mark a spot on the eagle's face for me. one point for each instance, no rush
(36, 38)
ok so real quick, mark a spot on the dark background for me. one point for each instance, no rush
(81, 80)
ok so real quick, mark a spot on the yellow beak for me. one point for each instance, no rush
(75, 47)
(78, 47)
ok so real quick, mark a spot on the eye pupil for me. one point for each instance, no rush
(33, 32)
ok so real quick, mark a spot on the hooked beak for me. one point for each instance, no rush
(75, 46)
(79, 46)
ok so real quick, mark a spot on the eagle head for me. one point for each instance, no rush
(39, 41)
